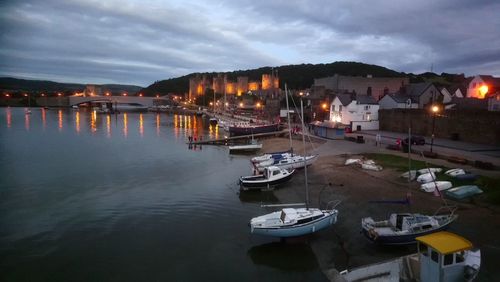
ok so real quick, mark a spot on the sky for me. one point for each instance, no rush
(141, 41)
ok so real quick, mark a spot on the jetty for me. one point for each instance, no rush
(234, 139)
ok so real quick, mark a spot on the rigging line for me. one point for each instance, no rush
(433, 179)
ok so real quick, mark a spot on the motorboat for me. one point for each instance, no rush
(403, 228)
(441, 256)
(272, 177)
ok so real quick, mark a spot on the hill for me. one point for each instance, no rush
(296, 76)
(10, 84)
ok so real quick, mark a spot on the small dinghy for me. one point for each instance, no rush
(462, 192)
(272, 177)
(426, 177)
(431, 186)
(371, 166)
(430, 169)
(403, 228)
(352, 161)
(454, 172)
(412, 174)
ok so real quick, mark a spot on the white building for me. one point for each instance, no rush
(392, 101)
(359, 113)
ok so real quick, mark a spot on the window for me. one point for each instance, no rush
(276, 172)
(474, 85)
(333, 108)
(424, 250)
(448, 259)
(368, 117)
(340, 108)
(367, 108)
(459, 257)
(434, 256)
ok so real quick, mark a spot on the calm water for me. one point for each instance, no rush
(91, 197)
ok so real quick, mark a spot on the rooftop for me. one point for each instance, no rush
(445, 242)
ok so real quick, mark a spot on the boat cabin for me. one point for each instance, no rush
(412, 222)
(271, 171)
(442, 256)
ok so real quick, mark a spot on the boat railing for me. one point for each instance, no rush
(332, 204)
(451, 209)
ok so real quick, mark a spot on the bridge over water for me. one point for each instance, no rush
(77, 100)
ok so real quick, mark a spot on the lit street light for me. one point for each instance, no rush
(435, 110)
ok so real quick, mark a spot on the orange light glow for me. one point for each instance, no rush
(324, 106)
(241, 105)
(107, 94)
(59, 94)
(125, 125)
(124, 94)
(77, 122)
(435, 109)
(483, 90)
(157, 96)
(108, 126)
(7, 95)
(258, 105)
(9, 118)
(43, 95)
(140, 94)
(25, 95)
(141, 125)
(60, 119)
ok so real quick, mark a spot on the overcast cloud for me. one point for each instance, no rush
(140, 41)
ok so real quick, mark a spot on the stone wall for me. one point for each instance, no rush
(476, 126)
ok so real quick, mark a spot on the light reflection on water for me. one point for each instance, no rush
(130, 204)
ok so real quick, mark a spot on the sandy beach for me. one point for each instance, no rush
(343, 246)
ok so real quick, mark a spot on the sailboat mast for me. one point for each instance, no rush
(288, 118)
(305, 153)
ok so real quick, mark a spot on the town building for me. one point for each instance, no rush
(359, 112)
(481, 86)
(392, 101)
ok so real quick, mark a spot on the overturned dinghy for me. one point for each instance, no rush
(463, 192)
(426, 177)
(352, 161)
(430, 169)
(371, 166)
(432, 186)
(454, 172)
(412, 174)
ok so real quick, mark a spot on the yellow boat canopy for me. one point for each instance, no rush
(445, 242)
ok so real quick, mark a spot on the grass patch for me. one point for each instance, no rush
(490, 186)
(397, 162)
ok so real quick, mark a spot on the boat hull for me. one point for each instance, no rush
(249, 130)
(247, 183)
(330, 218)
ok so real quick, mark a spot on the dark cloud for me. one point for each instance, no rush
(143, 41)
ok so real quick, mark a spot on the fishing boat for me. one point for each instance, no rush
(462, 192)
(235, 130)
(246, 148)
(442, 256)
(403, 228)
(293, 222)
(272, 177)
(432, 186)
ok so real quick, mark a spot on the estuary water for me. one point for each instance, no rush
(97, 197)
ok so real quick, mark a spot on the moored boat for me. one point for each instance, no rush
(252, 147)
(432, 186)
(272, 177)
(252, 129)
(462, 192)
(288, 162)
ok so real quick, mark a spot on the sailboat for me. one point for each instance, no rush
(293, 222)
(285, 160)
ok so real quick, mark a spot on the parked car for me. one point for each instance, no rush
(415, 140)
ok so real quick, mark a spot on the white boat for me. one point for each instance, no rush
(268, 156)
(454, 172)
(272, 177)
(412, 174)
(441, 256)
(252, 147)
(426, 177)
(291, 162)
(352, 161)
(371, 166)
(440, 185)
(293, 222)
(430, 169)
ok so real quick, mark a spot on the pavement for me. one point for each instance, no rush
(444, 147)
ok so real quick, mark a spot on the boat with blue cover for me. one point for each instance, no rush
(462, 192)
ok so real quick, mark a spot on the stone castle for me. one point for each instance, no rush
(220, 84)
